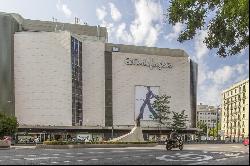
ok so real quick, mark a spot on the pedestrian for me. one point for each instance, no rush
(36, 140)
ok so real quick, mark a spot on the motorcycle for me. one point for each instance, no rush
(174, 143)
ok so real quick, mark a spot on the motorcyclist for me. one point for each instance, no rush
(173, 135)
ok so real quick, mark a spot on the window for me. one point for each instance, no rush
(243, 115)
(231, 92)
(235, 90)
(243, 130)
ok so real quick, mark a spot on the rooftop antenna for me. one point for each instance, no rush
(77, 20)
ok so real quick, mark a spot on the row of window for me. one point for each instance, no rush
(234, 91)
(235, 99)
(234, 131)
(234, 109)
(204, 113)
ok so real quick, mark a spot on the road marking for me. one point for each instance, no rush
(40, 158)
(108, 158)
(150, 155)
(69, 156)
(119, 151)
(231, 154)
(185, 157)
(94, 159)
(99, 152)
(44, 154)
(79, 153)
(136, 156)
(125, 157)
(15, 159)
(79, 160)
(66, 161)
(68, 153)
(56, 154)
(54, 162)
(32, 155)
(43, 163)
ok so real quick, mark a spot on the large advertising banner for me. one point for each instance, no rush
(144, 98)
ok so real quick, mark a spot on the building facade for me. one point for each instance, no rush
(235, 111)
(209, 115)
(67, 79)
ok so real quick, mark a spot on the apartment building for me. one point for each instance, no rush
(235, 111)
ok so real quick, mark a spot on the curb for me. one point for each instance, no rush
(92, 146)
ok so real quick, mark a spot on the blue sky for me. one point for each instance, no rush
(142, 23)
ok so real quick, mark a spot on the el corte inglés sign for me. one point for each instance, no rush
(151, 63)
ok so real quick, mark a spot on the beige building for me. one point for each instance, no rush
(235, 111)
(209, 115)
(67, 78)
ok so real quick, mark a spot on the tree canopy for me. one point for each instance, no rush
(162, 109)
(179, 120)
(8, 125)
(203, 126)
(226, 22)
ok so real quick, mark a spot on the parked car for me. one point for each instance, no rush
(246, 141)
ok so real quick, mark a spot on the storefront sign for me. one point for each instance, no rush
(148, 63)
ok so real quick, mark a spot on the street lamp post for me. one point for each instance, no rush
(217, 126)
(213, 129)
(112, 132)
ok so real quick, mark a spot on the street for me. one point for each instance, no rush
(196, 154)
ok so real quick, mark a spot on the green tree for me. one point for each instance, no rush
(179, 120)
(8, 125)
(162, 109)
(213, 131)
(226, 21)
(203, 126)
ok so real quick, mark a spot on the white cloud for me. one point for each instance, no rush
(110, 27)
(177, 28)
(227, 73)
(143, 28)
(115, 13)
(200, 47)
(101, 13)
(63, 8)
(219, 80)
(122, 34)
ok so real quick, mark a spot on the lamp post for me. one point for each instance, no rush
(217, 124)
(112, 132)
